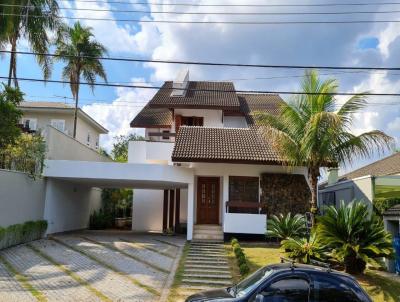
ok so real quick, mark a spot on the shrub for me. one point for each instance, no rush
(234, 241)
(286, 226)
(100, 220)
(304, 250)
(240, 257)
(21, 233)
(355, 236)
(383, 204)
(244, 269)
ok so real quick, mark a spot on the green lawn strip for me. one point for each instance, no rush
(108, 266)
(70, 273)
(23, 280)
(174, 290)
(166, 242)
(143, 245)
(111, 247)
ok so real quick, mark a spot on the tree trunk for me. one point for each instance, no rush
(76, 107)
(13, 63)
(313, 175)
(354, 265)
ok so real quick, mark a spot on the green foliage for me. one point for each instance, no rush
(120, 146)
(355, 236)
(21, 233)
(244, 269)
(240, 257)
(383, 204)
(303, 250)
(234, 241)
(286, 226)
(10, 98)
(311, 131)
(27, 154)
(100, 220)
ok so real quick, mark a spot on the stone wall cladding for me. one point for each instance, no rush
(283, 193)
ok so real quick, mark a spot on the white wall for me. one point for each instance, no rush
(245, 223)
(21, 198)
(235, 122)
(150, 152)
(211, 118)
(147, 210)
(68, 205)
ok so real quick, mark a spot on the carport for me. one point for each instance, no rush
(69, 182)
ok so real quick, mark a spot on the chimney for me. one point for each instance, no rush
(333, 175)
(180, 83)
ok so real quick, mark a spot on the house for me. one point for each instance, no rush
(377, 180)
(234, 178)
(37, 115)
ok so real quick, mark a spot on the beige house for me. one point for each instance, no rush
(37, 115)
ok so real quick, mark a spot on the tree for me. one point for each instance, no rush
(77, 48)
(311, 131)
(31, 20)
(120, 147)
(286, 226)
(10, 98)
(355, 235)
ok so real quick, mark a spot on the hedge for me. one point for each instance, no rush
(383, 204)
(21, 233)
(240, 257)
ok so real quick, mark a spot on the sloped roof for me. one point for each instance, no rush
(199, 94)
(393, 211)
(387, 166)
(230, 145)
(152, 117)
(250, 103)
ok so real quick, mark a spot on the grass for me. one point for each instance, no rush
(174, 294)
(70, 273)
(380, 289)
(23, 280)
(108, 266)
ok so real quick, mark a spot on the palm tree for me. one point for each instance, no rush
(286, 226)
(77, 48)
(355, 235)
(311, 131)
(30, 20)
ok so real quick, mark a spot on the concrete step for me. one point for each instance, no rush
(221, 267)
(207, 262)
(194, 255)
(205, 231)
(207, 282)
(213, 259)
(210, 271)
(208, 237)
(207, 276)
(207, 248)
(206, 244)
(207, 227)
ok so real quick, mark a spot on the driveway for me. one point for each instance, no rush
(90, 266)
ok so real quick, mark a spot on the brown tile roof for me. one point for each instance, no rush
(393, 211)
(44, 105)
(259, 102)
(233, 145)
(386, 166)
(224, 97)
(152, 117)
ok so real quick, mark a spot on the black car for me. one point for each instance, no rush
(288, 282)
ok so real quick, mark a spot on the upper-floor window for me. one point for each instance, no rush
(165, 134)
(30, 123)
(188, 121)
(88, 138)
(58, 124)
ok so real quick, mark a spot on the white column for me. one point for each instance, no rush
(225, 195)
(190, 211)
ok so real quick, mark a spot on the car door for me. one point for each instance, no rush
(292, 287)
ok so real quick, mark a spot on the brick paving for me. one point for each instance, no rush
(57, 285)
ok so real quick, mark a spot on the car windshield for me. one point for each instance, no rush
(251, 282)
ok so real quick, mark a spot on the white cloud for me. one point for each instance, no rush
(395, 125)
(117, 116)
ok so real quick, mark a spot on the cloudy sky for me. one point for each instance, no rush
(368, 44)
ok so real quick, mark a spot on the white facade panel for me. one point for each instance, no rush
(245, 223)
(235, 122)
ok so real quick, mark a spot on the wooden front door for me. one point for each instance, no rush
(208, 200)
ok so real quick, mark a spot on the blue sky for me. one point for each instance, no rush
(355, 45)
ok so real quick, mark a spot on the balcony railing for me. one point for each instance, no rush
(248, 207)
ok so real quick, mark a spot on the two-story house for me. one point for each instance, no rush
(208, 129)
(37, 115)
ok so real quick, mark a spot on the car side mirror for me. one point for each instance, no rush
(259, 298)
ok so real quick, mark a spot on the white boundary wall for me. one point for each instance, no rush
(21, 198)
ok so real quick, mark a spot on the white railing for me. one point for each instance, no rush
(150, 152)
(245, 223)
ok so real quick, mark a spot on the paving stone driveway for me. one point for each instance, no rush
(90, 266)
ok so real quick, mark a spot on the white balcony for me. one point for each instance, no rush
(245, 223)
(150, 152)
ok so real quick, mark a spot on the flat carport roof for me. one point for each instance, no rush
(119, 175)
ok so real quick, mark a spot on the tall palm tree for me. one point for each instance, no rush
(312, 131)
(77, 48)
(31, 20)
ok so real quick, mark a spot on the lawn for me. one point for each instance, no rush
(380, 289)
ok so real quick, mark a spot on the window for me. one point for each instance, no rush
(244, 189)
(188, 121)
(332, 290)
(30, 123)
(97, 144)
(88, 138)
(166, 134)
(58, 124)
(287, 290)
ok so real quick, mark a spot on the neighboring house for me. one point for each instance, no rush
(37, 115)
(235, 178)
(376, 180)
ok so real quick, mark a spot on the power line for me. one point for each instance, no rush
(236, 5)
(211, 13)
(103, 84)
(212, 63)
(215, 22)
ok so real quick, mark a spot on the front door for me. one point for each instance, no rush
(208, 200)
